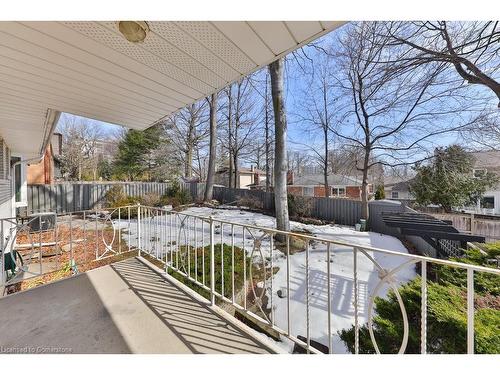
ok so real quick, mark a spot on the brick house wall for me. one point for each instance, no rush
(43, 172)
(351, 192)
(319, 191)
(296, 190)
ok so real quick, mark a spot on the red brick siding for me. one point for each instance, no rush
(319, 191)
(353, 192)
(295, 190)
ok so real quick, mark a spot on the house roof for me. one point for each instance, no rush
(397, 183)
(249, 170)
(89, 69)
(400, 186)
(333, 179)
(486, 159)
(242, 170)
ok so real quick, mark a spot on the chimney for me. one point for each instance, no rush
(289, 177)
(252, 168)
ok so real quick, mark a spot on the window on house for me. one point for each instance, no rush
(308, 191)
(17, 177)
(338, 192)
(488, 202)
(395, 194)
(479, 173)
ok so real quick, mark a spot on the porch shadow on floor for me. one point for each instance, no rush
(123, 308)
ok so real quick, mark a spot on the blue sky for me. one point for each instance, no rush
(296, 83)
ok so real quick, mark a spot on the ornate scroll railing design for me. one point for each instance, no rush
(187, 235)
(234, 264)
(42, 244)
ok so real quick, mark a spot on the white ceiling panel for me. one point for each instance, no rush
(90, 69)
(274, 34)
(242, 35)
(301, 30)
(218, 44)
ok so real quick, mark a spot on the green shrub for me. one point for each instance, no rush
(150, 200)
(195, 267)
(446, 311)
(446, 323)
(484, 283)
(299, 206)
(116, 197)
(175, 196)
(380, 192)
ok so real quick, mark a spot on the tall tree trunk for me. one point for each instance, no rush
(236, 170)
(236, 152)
(325, 133)
(280, 157)
(268, 159)
(188, 166)
(213, 145)
(364, 184)
(230, 134)
(325, 164)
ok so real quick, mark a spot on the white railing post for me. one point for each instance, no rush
(139, 228)
(423, 303)
(470, 311)
(356, 321)
(212, 261)
(308, 326)
(329, 297)
(289, 320)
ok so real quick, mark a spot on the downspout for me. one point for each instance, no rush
(51, 119)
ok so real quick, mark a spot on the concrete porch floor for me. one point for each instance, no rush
(125, 307)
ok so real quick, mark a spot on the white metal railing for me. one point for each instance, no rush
(41, 244)
(183, 236)
(231, 263)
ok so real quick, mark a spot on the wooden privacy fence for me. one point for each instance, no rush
(71, 197)
(196, 189)
(474, 224)
(339, 210)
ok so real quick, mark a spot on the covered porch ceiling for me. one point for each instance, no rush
(89, 69)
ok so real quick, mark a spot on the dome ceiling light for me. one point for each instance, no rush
(133, 31)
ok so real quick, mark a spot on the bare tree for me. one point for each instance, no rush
(484, 133)
(471, 48)
(317, 112)
(187, 130)
(229, 118)
(261, 152)
(241, 124)
(280, 129)
(79, 150)
(213, 148)
(300, 162)
(388, 110)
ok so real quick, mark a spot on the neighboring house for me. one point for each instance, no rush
(313, 186)
(48, 169)
(487, 161)
(397, 188)
(247, 177)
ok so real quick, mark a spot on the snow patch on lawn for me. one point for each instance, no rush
(341, 271)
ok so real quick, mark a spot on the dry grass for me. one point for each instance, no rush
(57, 259)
